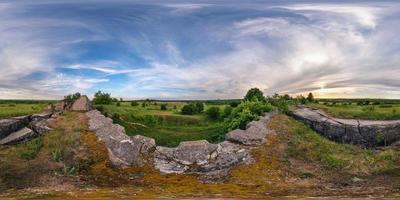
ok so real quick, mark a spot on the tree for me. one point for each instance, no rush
(121, 99)
(213, 113)
(118, 104)
(102, 98)
(199, 107)
(301, 99)
(134, 103)
(254, 94)
(164, 106)
(188, 109)
(310, 97)
(72, 97)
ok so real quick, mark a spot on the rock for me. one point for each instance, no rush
(41, 116)
(210, 161)
(123, 150)
(255, 133)
(18, 136)
(82, 104)
(39, 126)
(8, 126)
(367, 133)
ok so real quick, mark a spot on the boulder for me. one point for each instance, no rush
(18, 136)
(82, 104)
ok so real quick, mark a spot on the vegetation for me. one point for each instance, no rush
(363, 111)
(254, 94)
(307, 145)
(72, 97)
(18, 109)
(213, 113)
(102, 98)
(168, 127)
(244, 113)
(192, 108)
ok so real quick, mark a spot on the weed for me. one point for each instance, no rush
(30, 149)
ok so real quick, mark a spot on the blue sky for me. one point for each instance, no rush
(199, 49)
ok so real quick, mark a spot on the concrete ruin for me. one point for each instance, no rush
(211, 162)
(366, 133)
(82, 104)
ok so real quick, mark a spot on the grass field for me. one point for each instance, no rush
(374, 112)
(167, 127)
(19, 109)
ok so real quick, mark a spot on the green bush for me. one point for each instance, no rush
(134, 103)
(118, 104)
(102, 98)
(99, 108)
(163, 106)
(213, 113)
(244, 113)
(227, 111)
(192, 108)
(115, 117)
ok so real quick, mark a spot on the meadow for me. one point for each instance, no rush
(366, 109)
(13, 108)
(168, 127)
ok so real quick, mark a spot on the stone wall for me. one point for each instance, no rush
(210, 161)
(367, 133)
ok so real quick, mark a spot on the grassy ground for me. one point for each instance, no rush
(19, 109)
(295, 161)
(374, 112)
(167, 127)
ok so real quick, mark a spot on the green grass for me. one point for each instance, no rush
(168, 127)
(20, 109)
(30, 149)
(374, 112)
(305, 144)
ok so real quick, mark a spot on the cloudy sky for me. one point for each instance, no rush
(199, 50)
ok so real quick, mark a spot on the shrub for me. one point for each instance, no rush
(234, 104)
(188, 109)
(213, 113)
(99, 108)
(143, 104)
(227, 111)
(134, 103)
(163, 106)
(118, 104)
(244, 113)
(102, 98)
(115, 117)
(192, 108)
(254, 94)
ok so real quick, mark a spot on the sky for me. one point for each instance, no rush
(199, 49)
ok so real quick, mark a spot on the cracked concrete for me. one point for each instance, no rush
(367, 133)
